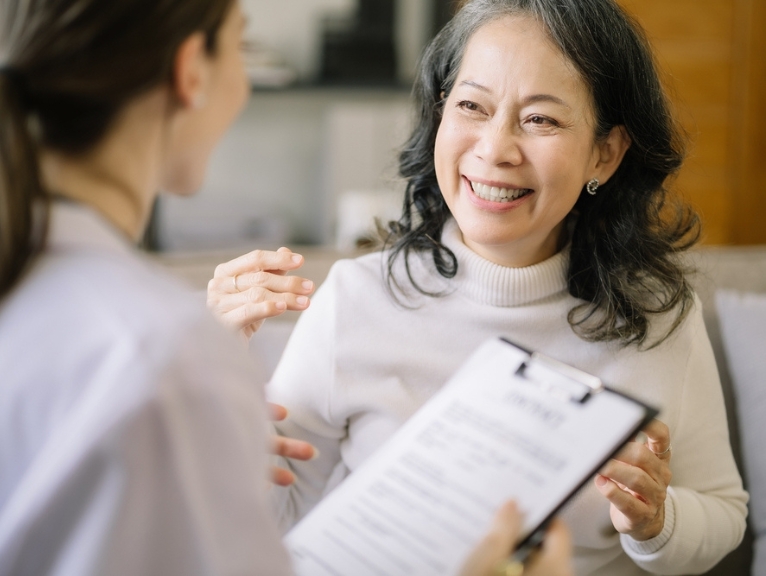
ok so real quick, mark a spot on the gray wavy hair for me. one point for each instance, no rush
(625, 240)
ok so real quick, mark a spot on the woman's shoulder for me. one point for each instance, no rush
(97, 273)
(364, 272)
(391, 271)
(116, 330)
(367, 265)
(130, 294)
(106, 302)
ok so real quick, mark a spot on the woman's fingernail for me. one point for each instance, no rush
(600, 480)
(307, 284)
(297, 258)
(281, 305)
(302, 300)
(316, 453)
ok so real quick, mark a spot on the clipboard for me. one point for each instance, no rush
(511, 423)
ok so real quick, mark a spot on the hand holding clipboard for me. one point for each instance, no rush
(490, 556)
(510, 424)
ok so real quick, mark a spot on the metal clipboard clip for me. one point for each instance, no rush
(559, 379)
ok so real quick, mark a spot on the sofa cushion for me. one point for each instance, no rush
(742, 318)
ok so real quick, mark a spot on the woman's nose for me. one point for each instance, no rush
(499, 145)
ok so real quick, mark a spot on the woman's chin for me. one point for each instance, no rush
(184, 187)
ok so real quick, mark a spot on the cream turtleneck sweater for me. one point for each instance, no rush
(358, 364)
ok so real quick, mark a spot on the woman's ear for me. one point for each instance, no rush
(611, 151)
(189, 81)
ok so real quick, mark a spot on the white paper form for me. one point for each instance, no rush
(424, 500)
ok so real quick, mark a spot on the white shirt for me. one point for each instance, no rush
(358, 365)
(132, 435)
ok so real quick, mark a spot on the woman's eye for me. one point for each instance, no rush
(542, 121)
(468, 105)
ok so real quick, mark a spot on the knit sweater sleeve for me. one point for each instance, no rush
(303, 382)
(706, 505)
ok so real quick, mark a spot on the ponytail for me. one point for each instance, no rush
(23, 204)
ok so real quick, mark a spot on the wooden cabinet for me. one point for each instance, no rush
(712, 54)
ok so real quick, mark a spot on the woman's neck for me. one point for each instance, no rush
(121, 203)
(119, 177)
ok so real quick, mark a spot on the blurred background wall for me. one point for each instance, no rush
(313, 157)
(713, 54)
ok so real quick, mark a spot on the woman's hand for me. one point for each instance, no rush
(553, 558)
(287, 447)
(247, 290)
(636, 481)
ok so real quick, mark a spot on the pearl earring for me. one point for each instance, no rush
(592, 186)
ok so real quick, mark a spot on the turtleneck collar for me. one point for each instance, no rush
(489, 283)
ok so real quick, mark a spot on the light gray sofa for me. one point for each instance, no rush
(742, 270)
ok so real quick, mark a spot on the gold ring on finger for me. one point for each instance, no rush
(508, 567)
(666, 451)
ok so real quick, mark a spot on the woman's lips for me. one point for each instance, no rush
(495, 198)
(496, 193)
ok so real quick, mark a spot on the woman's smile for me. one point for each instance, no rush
(495, 196)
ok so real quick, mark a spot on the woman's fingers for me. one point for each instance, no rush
(635, 482)
(287, 447)
(489, 558)
(245, 291)
(658, 439)
(636, 466)
(282, 477)
(275, 283)
(267, 280)
(626, 502)
(496, 545)
(261, 296)
(292, 448)
(277, 412)
(631, 515)
(283, 260)
(251, 314)
(555, 554)
(253, 306)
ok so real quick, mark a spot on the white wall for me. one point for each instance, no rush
(277, 175)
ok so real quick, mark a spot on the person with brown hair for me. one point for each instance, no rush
(131, 434)
(132, 437)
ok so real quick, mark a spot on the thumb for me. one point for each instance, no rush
(497, 544)
(506, 526)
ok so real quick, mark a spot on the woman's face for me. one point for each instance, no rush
(516, 143)
(220, 102)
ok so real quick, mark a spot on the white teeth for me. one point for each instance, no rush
(496, 194)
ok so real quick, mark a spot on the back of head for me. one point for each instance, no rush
(67, 68)
(623, 244)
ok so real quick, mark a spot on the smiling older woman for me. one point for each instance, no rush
(536, 210)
